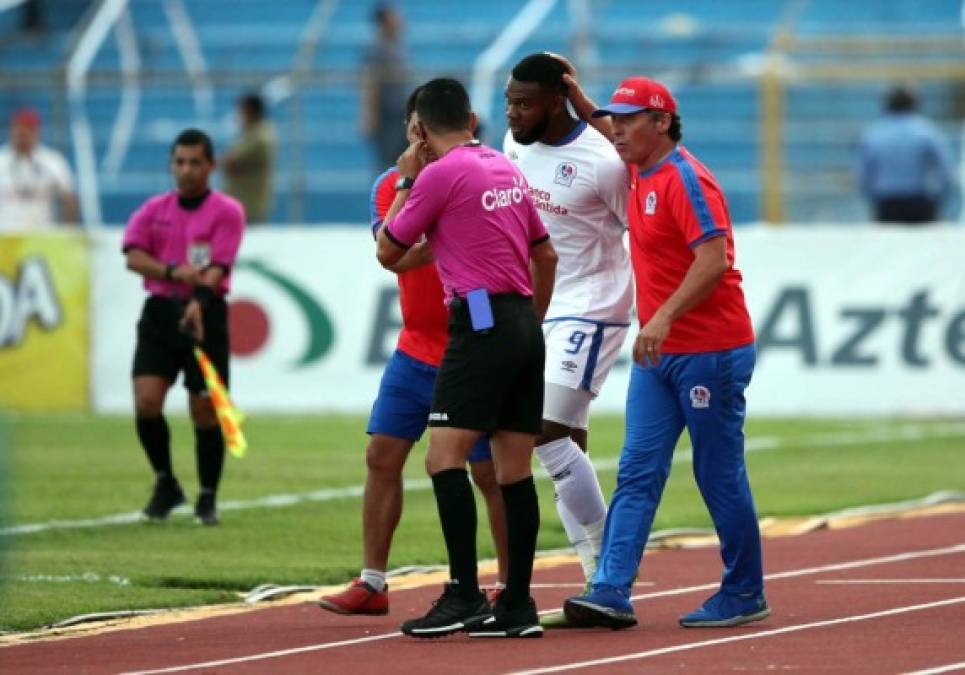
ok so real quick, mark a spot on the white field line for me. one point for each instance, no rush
(581, 586)
(740, 638)
(889, 581)
(896, 434)
(950, 668)
(267, 655)
(323, 495)
(833, 567)
(897, 557)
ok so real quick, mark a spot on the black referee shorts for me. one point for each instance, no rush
(163, 350)
(492, 380)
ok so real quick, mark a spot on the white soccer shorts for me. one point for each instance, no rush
(579, 356)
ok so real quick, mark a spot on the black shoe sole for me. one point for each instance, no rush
(528, 631)
(157, 517)
(441, 631)
(588, 615)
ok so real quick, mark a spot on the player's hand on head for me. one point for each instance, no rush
(413, 160)
(567, 64)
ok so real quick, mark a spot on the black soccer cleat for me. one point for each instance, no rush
(166, 497)
(521, 622)
(205, 510)
(450, 614)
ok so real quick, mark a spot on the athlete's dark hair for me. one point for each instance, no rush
(542, 69)
(901, 99)
(195, 137)
(254, 104)
(443, 105)
(410, 103)
(382, 11)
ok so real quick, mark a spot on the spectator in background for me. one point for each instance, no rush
(384, 89)
(32, 16)
(34, 179)
(249, 163)
(904, 169)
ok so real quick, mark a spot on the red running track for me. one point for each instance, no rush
(885, 597)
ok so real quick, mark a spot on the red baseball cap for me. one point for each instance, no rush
(28, 117)
(636, 94)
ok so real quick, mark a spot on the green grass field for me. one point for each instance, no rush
(76, 467)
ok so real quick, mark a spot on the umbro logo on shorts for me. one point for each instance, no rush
(438, 417)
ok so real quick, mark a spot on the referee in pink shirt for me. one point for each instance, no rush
(472, 207)
(183, 243)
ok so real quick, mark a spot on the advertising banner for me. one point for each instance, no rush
(44, 289)
(849, 321)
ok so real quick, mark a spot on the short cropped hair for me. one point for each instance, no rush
(382, 11)
(195, 137)
(542, 69)
(410, 103)
(901, 99)
(254, 104)
(443, 105)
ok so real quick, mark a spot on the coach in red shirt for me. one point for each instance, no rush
(693, 358)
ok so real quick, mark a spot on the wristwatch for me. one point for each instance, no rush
(404, 183)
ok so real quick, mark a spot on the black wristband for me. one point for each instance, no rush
(202, 294)
(169, 272)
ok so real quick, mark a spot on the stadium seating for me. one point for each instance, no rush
(706, 50)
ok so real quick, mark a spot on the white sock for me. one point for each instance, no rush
(579, 539)
(579, 499)
(374, 578)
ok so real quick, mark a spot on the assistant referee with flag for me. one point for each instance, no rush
(184, 243)
(472, 206)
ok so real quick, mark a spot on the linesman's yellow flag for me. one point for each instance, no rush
(229, 417)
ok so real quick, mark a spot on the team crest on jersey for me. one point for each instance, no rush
(512, 155)
(651, 207)
(700, 397)
(565, 173)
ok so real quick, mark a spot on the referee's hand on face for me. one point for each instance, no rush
(413, 160)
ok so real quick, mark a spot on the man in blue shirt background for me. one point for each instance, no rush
(905, 169)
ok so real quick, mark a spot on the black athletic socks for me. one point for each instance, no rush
(210, 449)
(457, 513)
(522, 525)
(156, 440)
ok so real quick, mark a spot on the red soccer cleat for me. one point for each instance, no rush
(358, 598)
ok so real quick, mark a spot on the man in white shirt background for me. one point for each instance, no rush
(36, 184)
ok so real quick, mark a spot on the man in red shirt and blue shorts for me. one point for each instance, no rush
(693, 359)
(401, 412)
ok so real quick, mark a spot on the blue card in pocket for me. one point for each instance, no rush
(480, 311)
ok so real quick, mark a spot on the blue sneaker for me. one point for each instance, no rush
(722, 610)
(603, 606)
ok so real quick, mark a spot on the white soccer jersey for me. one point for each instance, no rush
(580, 188)
(30, 187)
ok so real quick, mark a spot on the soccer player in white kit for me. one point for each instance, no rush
(579, 185)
